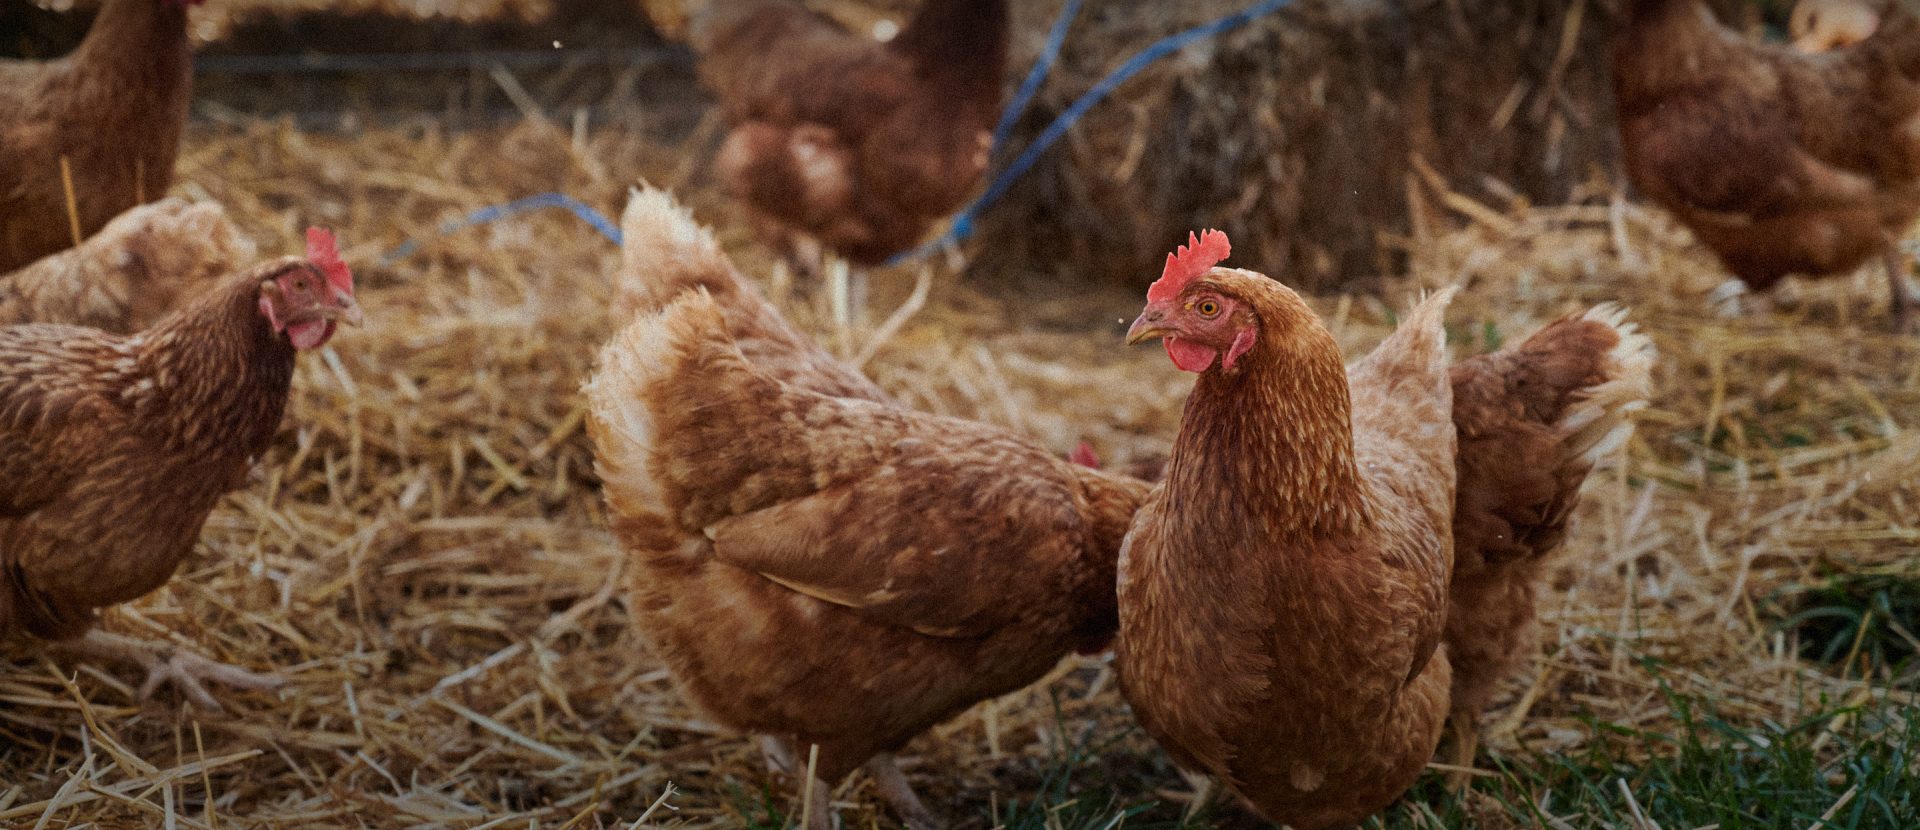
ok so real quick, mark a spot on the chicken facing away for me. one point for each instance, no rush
(113, 109)
(839, 139)
(830, 570)
(1326, 539)
(114, 449)
(1780, 162)
(138, 268)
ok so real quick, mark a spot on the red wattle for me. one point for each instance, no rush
(311, 334)
(1189, 357)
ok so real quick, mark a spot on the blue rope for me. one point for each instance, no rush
(1030, 86)
(587, 214)
(963, 225)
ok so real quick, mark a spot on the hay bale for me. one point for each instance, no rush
(1299, 133)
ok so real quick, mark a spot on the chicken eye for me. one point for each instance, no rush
(1208, 308)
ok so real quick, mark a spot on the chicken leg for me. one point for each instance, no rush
(1466, 745)
(1901, 295)
(816, 802)
(899, 794)
(166, 663)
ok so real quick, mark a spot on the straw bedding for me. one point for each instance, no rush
(423, 554)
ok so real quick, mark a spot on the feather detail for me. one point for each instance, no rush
(1185, 265)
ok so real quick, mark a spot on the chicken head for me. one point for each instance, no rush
(1194, 318)
(309, 299)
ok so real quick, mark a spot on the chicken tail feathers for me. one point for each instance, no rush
(639, 365)
(1598, 421)
(665, 252)
(1404, 379)
(1534, 420)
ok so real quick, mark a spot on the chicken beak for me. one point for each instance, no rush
(1150, 325)
(347, 310)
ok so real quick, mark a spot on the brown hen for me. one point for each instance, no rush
(1283, 590)
(1321, 531)
(113, 450)
(138, 268)
(841, 139)
(113, 110)
(1780, 162)
(835, 571)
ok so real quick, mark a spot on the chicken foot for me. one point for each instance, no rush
(1732, 298)
(783, 761)
(819, 806)
(167, 663)
(1205, 787)
(779, 756)
(893, 787)
(882, 768)
(1902, 296)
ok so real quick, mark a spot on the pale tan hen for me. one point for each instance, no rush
(142, 265)
(829, 569)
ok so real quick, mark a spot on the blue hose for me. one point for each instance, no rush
(1030, 86)
(495, 213)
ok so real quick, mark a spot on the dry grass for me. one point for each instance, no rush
(423, 554)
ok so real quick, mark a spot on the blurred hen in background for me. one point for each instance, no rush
(1782, 163)
(839, 139)
(89, 135)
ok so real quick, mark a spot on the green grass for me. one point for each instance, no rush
(1859, 617)
(1711, 770)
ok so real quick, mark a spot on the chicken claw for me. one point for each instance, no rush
(166, 663)
(779, 755)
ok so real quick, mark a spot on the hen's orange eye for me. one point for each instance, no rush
(1208, 308)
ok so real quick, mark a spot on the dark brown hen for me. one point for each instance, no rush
(1533, 422)
(112, 110)
(114, 449)
(1780, 162)
(836, 137)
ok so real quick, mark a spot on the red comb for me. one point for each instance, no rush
(324, 252)
(1084, 456)
(1199, 255)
